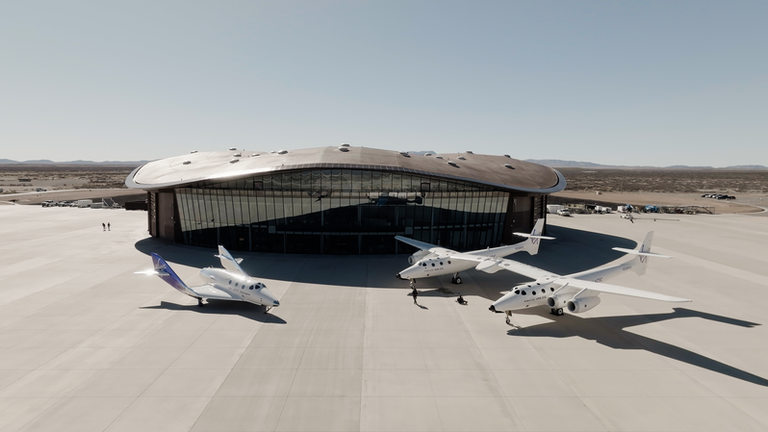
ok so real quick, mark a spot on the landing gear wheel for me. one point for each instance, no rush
(458, 281)
(557, 312)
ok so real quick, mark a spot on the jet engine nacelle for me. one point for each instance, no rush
(413, 259)
(557, 301)
(582, 304)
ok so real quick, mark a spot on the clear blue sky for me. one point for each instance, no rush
(632, 83)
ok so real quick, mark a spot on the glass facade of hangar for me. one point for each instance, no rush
(340, 212)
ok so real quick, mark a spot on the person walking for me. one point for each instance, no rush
(103, 227)
(109, 227)
(415, 294)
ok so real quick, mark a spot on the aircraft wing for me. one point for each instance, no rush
(619, 290)
(417, 244)
(229, 263)
(210, 292)
(425, 246)
(493, 264)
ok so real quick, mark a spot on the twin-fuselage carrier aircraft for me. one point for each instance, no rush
(577, 292)
(230, 283)
(431, 260)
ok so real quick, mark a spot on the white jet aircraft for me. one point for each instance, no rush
(431, 260)
(578, 292)
(220, 284)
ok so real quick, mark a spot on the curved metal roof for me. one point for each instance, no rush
(499, 171)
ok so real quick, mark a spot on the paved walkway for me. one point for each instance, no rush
(85, 345)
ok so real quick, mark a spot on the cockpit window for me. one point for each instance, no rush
(523, 292)
(433, 264)
(250, 287)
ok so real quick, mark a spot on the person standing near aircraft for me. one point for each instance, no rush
(415, 294)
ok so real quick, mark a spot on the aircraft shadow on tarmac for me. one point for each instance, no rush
(610, 332)
(572, 251)
(222, 307)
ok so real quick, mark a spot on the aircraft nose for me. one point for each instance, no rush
(492, 308)
(398, 276)
(276, 303)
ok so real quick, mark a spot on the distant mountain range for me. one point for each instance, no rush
(77, 162)
(554, 163)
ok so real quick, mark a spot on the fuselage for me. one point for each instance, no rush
(553, 291)
(439, 263)
(528, 295)
(435, 265)
(239, 287)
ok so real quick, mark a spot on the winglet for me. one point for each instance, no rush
(164, 271)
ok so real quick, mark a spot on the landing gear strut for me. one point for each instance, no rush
(456, 279)
(413, 284)
(200, 302)
(556, 311)
(508, 316)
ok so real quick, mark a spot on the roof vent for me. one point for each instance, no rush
(232, 148)
(462, 158)
(344, 149)
(254, 155)
(237, 155)
(282, 152)
(344, 144)
(404, 153)
(234, 160)
(469, 151)
(438, 157)
(452, 163)
(193, 151)
(187, 162)
(508, 156)
(508, 166)
(427, 154)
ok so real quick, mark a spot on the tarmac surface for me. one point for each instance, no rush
(86, 345)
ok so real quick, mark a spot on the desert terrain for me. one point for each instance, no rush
(666, 187)
(21, 183)
(640, 187)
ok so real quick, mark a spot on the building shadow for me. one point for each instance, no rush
(222, 307)
(610, 332)
(572, 251)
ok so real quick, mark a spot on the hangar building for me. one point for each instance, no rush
(342, 200)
